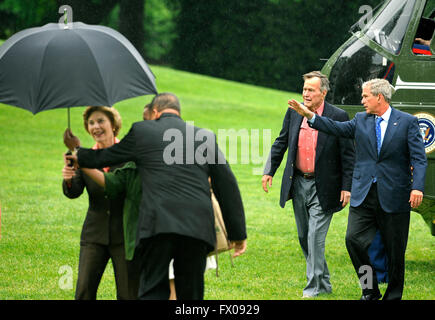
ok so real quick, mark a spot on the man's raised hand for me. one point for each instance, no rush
(300, 108)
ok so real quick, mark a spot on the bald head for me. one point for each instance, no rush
(164, 101)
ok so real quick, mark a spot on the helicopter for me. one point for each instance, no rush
(396, 44)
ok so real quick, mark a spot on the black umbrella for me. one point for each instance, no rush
(59, 66)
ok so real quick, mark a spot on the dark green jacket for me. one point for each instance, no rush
(126, 182)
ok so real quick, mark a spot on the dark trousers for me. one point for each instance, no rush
(363, 222)
(92, 263)
(133, 267)
(189, 256)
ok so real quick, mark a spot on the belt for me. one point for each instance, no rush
(307, 176)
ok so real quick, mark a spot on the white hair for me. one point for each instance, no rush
(380, 86)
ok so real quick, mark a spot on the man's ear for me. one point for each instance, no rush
(156, 114)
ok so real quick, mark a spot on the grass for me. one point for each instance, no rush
(40, 228)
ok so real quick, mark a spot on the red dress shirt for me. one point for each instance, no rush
(306, 154)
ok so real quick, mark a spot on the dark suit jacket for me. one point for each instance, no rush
(175, 190)
(402, 148)
(103, 222)
(333, 163)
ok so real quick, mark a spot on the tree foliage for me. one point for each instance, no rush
(16, 15)
(148, 24)
(270, 43)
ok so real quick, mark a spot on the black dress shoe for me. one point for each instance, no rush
(371, 296)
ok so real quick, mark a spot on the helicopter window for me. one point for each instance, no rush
(356, 64)
(425, 31)
(389, 27)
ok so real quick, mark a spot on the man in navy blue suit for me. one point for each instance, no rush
(388, 180)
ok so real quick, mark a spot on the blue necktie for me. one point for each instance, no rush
(378, 133)
(378, 137)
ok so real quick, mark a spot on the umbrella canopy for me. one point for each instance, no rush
(57, 67)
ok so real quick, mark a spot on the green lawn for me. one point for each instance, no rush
(40, 228)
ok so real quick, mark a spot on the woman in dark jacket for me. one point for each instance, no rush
(102, 234)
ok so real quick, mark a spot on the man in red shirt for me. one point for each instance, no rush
(317, 177)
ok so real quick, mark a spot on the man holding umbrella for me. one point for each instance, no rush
(176, 218)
